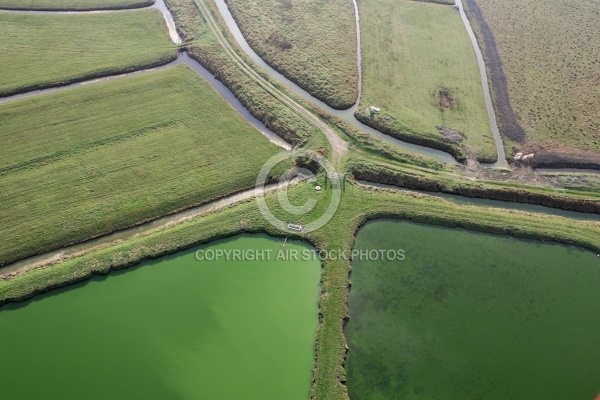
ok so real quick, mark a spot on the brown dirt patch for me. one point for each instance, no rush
(446, 99)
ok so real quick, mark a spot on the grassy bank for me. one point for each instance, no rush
(544, 67)
(204, 48)
(47, 50)
(312, 43)
(78, 5)
(420, 69)
(102, 157)
(357, 207)
(576, 199)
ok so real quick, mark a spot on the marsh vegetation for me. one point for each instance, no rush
(312, 43)
(548, 54)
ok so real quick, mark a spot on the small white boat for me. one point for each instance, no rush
(295, 227)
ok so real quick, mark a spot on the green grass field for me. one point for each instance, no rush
(420, 69)
(105, 156)
(72, 4)
(313, 43)
(549, 54)
(41, 50)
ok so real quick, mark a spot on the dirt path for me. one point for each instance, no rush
(158, 5)
(338, 145)
(146, 228)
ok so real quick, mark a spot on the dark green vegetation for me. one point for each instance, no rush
(471, 316)
(106, 156)
(582, 182)
(38, 51)
(420, 69)
(356, 207)
(312, 43)
(78, 5)
(579, 197)
(543, 61)
(174, 328)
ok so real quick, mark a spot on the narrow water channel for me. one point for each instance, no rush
(345, 115)
(183, 58)
(504, 205)
(147, 227)
(489, 104)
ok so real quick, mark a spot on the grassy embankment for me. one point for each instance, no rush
(363, 145)
(203, 47)
(386, 171)
(206, 50)
(582, 182)
(357, 206)
(544, 67)
(38, 51)
(102, 157)
(312, 43)
(75, 5)
(420, 69)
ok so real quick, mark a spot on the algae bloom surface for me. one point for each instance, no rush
(174, 328)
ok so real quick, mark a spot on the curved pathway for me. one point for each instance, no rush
(345, 115)
(159, 5)
(486, 89)
(490, 107)
(348, 115)
(339, 146)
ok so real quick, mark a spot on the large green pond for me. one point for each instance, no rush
(472, 316)
(175, 328)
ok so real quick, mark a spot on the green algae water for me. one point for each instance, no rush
(174, 328)
(472, 316)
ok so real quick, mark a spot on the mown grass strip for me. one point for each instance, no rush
(38, 51)
(118, 153)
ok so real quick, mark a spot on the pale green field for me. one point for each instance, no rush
(104, 156)
(411, 52)
(72, 4)
(43, 50)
